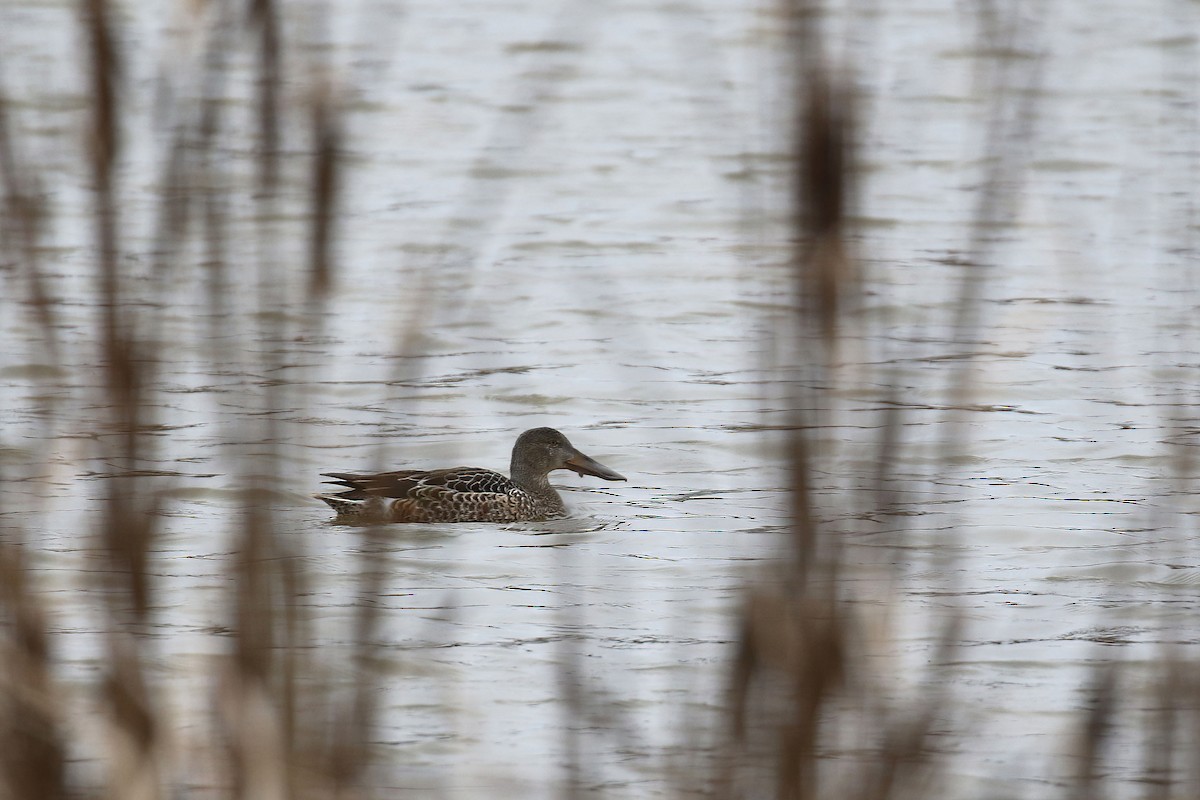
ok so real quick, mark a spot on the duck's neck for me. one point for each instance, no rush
(534, 482)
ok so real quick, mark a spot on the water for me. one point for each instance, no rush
(569, 217)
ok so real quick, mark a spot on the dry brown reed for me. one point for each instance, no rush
(814, 710)
(805, 701)
(283, 732)
(33, 739)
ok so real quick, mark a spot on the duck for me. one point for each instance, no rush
(467, 494)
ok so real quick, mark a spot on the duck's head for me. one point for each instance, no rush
(543, 450)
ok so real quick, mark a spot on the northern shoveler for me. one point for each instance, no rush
(468, 494)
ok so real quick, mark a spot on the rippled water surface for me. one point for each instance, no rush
(570, 216)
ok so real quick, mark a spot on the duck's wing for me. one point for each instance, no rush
(406, 484)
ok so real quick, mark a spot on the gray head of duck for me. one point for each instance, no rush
(543, 450)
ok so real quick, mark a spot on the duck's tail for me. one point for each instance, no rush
(351, 506)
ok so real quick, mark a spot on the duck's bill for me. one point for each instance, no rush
(586, 465)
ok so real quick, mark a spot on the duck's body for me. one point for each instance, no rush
(461, 494)
(468, 494)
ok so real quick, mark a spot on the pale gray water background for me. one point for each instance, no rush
(580, 207)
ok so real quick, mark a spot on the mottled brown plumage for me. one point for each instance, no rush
(468, 494)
